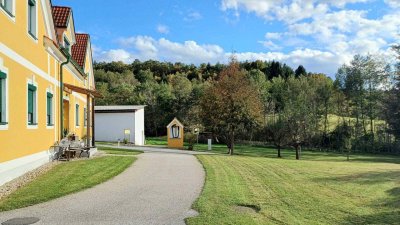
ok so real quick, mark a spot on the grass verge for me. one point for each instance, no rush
(118, 151)
(261, 190)
(65, 179)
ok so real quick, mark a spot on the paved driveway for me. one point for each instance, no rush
(158, 189)
(158, 149)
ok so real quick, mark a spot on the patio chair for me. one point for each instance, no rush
(80, 146)
(61, 149)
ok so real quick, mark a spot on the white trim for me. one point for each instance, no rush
(36, 119)
(71, 67)
(49, 23)
(27, 64)
(32, 67)
(70, 44)
(71, 27)
(12, 169)
(78, 96)
(12, 18)
(4, 69)
(175, 121)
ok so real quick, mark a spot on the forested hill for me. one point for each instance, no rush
(170, 89)
(203, 72)
(355, 111)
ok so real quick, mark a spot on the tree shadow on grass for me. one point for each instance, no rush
(385, 210)
(368, 178)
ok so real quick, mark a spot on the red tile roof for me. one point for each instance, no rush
(61, 15)
(79, 49)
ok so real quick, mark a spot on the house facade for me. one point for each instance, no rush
(46, 83)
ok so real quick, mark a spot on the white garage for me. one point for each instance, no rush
(116, 123)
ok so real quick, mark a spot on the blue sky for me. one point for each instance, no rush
(319, 34)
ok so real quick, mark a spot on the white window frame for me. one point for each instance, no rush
(5, 102)
(10, 15)
(35, 105)
(65, 38)
(33, 36)
(52, 119)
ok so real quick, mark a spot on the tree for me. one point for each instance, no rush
(392, 103)
(342, 138)
(230, 103)
(300, 71)
(277, 132)
(298, 111)
(323, 100)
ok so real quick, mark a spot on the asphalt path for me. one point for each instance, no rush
(159, 188)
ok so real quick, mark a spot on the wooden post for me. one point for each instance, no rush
(88, 119)
(93, 124)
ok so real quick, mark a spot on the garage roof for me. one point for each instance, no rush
(118, 108)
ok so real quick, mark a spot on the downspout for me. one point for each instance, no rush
(62, 96)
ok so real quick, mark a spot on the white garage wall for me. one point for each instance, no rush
(139, 127)
(111, 126)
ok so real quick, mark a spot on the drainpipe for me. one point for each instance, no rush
(62, 96)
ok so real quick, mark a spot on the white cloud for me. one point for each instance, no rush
(194, 15)
(319, 34)
(114, 55)
(162, 29)
(270, 45)
(289, 11)
(313, 60)
(273, 35)
(145, 48)
(393, 3)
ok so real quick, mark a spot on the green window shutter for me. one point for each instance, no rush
(3, 75)
(48, 105)
(32, 2)
(49, 108)
(30, 101)
(31, 87)
(30, 106)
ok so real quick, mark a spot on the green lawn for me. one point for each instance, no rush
(320, 189)
(118, 151)
(261, 151)
(66, 178)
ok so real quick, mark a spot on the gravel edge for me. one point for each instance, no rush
(10, 187)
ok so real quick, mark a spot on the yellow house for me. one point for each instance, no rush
(175, 134)
(46, 83)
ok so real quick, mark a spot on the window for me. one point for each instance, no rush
(175, 131)
(77, 115)
(85, 117)
(3, 119)
(50, 109)
(32, 18)
(32, 105)
(7, 5)
(67, 45)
